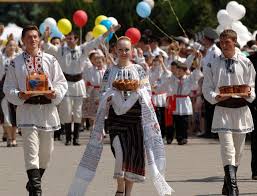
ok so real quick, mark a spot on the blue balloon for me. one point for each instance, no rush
(42, 28)
(143, 9)
(106, 23)
(107, 39)
(55, 32)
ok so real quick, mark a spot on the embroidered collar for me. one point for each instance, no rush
(33, 64)
(234, 58)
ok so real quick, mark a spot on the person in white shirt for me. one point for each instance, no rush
(71, 58)
(9, 109)
(93, 78)
(232, 117)
(178, 88)
(158, 97)
(212, 52)
(37, 116)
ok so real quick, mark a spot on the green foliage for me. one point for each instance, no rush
(194, 15)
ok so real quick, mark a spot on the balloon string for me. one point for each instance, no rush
(80, 36)
(174, 13)
(172, 39)
(116, 36)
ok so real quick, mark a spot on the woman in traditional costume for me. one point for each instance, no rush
(133, 129)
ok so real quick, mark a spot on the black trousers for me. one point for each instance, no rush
(254, 152)
(160, 113)
(254, 140)
(209, 112)
(180, 127)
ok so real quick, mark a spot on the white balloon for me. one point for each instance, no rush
(113, 20)
(150, 2)
(254, 34)
(244, 38)
(239, 28)
(220, 29)
(50, 22)
(224, 19)
(235, 10)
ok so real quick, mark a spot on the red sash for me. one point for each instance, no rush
(94, 86)
(171, 101)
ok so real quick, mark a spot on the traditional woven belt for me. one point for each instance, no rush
(233, 103)
(73, 78)
(42, 100)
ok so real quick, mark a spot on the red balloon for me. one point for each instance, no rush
(134, 35)
(80, 18)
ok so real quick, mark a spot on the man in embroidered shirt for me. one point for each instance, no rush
(37, 115)
(232, 118)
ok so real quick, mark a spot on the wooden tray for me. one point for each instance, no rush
(37, 92)
(234, 94)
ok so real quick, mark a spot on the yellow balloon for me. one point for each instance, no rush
(65, 26)
(4, 42)
(99, 19)
(99, 30)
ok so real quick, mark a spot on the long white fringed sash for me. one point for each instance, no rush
(152, 140)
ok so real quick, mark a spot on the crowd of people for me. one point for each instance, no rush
(178, 93)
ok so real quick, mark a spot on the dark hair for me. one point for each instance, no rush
(174, 63)
(29, 28)
(251, 43)
(53, 38)
(209, 39)
(229, 33)
(74, 34)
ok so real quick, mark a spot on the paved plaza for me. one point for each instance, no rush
(192, 170)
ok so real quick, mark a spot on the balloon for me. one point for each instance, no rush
(80, 18)
(113, 20)
(107, 39)
(106, 23)
(56, 33)
(239, 28)
(42, 28)
(143, 9)
(235, 10)
(243, 39)
(150, 2)
(50, 22)
(64, 25)
(220, 29)
(99, 19)
(254, 34)
(224, 19)
(4, 42)
(89, 36)
(134, 35)
(99, 30)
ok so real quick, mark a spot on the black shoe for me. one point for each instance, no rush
(28, 186)
(75, 143)
(169, 141)
(67, 143)
(180, 142)
(34, 185)
(4, 138)
(184, 141)
(254, 177)
(225, 186)
(205, 135)
(231, 181)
